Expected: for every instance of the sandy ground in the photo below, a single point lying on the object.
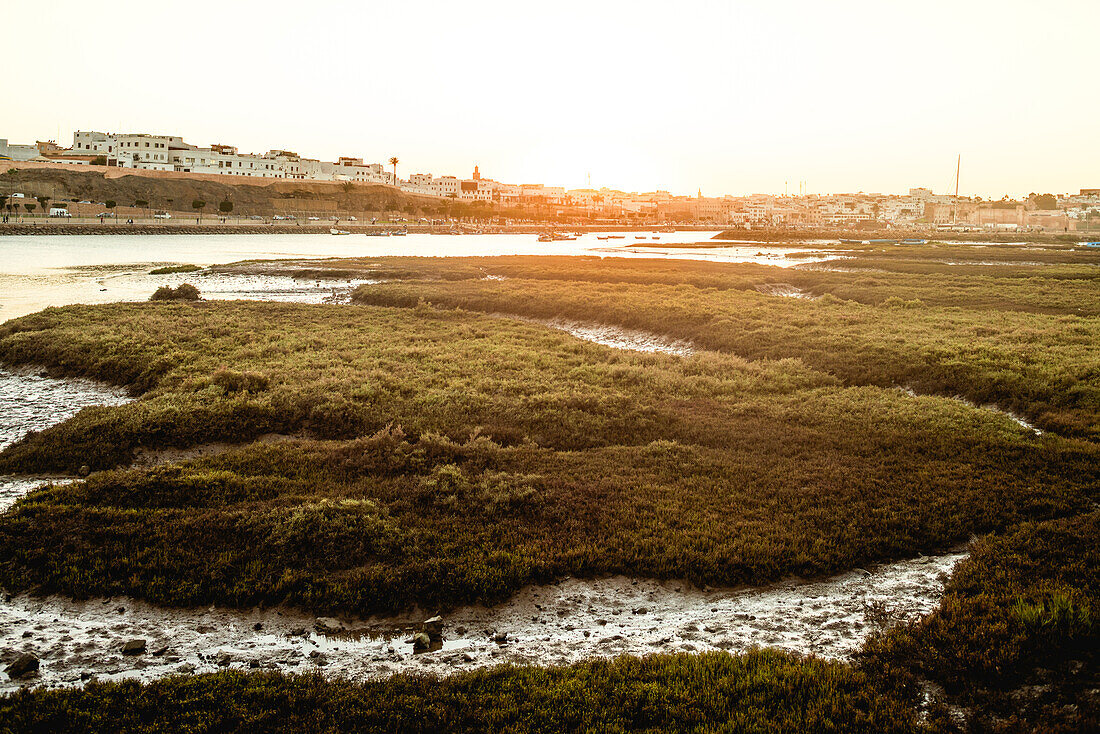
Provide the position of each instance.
(562, 623)
(612, 336)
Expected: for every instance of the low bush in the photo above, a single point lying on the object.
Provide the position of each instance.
(182, 292)
(1016, 641)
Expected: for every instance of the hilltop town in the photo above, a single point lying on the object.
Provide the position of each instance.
(169, 156)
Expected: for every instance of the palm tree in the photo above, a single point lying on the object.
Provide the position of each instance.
(393, 162)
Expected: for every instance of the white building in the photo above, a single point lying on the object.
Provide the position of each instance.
(146, 152)
(171, 153)
(93, 143)
(13, 152)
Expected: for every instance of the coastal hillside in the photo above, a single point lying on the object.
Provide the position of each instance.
(177, 193)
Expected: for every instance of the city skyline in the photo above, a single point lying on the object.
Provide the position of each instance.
(853, 97)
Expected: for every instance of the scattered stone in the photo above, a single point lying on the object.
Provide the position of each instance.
(134, 647)
(421, 642)
(328, 625)
(433, 627)
(24, 665)
(258, 626)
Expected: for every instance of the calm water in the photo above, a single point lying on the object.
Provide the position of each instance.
(55, 270)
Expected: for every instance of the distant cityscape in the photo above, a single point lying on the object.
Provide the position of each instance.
(920, 206)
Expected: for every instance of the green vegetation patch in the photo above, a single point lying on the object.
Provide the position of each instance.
(525, 455)
(988, 339)
(170, 269)
(758, 692)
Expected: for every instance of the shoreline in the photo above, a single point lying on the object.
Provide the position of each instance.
(66, 228)
(731, 236)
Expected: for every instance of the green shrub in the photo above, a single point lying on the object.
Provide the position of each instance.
(183, 292)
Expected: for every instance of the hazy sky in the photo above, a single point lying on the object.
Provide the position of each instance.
(730, 97)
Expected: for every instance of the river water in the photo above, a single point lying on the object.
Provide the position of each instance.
(56, 270)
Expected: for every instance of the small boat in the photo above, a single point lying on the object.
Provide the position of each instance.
(601, 238)
(616, 237)
(546, 238)
(333, 230)
(914, 242)
(851, 242)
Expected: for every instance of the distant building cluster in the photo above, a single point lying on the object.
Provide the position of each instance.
(920, 206)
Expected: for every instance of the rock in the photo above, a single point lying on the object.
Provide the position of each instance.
(120, 610)
(467, 657)
(421, 642)
(258, 626)
(253, 664)
(641, 610)
(587, 633)
(24, 665)
(461, 631)
(86, 675)
(224, 659)
(328, 625)
(84, 471)
(134, 647)
(160, 651)
(27, 634)
(500, 638)
(433, 628)
(297, 632)
(601, 622)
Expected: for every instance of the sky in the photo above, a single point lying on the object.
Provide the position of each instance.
(729, 97)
